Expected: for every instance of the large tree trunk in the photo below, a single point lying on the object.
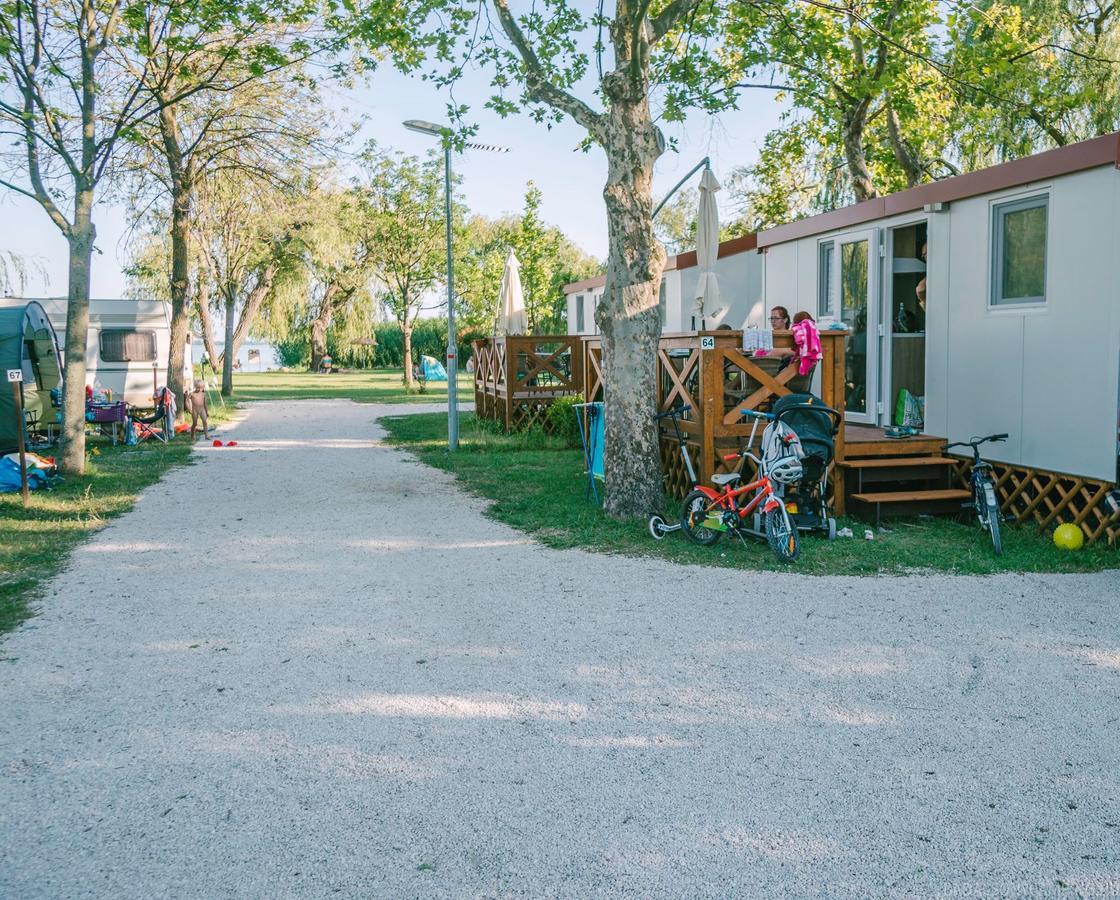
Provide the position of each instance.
(80, 238)
(229, 352)
(180, 253)
(627, 315)
(320, 326)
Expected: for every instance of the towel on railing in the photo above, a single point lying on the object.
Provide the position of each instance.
(807, 340)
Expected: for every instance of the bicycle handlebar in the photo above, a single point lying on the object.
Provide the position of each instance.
(756, 414)
(976, 442)
(673, 413)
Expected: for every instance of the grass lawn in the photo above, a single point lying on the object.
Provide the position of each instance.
(370, 386)
(538, 487)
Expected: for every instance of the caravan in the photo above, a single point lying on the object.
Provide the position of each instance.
(126, 348)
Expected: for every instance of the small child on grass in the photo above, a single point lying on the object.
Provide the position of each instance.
(196, 404)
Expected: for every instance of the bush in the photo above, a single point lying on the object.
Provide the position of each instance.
(563, 421)
(429, 338)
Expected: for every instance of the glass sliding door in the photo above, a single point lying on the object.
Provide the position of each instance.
(855, 273)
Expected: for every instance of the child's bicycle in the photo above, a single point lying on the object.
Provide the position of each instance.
(984, 501)
(707, 513)
(658, 527)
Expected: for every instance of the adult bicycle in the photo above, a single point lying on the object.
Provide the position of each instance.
(985, 502)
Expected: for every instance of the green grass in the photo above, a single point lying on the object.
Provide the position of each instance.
(538, 487)
(370, 386)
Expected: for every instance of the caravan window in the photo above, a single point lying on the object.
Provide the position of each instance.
(126, 345)
(1019, 252)
(579, 313)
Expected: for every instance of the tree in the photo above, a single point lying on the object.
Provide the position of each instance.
(668, 54)
(67, 106)
(238, 119)
(401, 218)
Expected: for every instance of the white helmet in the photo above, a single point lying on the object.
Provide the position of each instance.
(786, 470)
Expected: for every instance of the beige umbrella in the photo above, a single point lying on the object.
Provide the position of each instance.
(707, 244)
(511, 300)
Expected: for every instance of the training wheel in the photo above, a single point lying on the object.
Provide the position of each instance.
(657, 527)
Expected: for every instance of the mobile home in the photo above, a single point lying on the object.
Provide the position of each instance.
(127, 345)
(993, 295)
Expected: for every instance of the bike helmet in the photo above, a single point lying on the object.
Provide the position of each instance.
(787, 470)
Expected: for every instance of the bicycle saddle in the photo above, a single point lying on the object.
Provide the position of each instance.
(722, 479)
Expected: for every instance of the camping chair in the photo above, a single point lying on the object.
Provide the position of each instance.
(591, 433)
(164, 414)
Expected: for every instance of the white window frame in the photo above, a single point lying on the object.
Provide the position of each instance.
(1000, 210)
(825, 272)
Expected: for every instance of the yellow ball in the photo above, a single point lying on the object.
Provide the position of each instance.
(1068, 537)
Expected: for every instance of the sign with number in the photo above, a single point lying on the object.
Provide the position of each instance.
(15, 374)
(707, 343)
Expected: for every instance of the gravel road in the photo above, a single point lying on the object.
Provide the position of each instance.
(310, 666)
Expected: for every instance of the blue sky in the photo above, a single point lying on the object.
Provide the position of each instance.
(570, 180)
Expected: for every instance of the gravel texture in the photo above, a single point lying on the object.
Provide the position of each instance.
(310, 666)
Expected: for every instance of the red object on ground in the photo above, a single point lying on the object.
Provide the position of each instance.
(231, 444)
(217, 443)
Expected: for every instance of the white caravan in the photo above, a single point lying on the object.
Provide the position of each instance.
(127, 345)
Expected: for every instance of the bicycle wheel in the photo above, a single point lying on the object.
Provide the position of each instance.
(694, 515)
(782, 536)
(992, 506)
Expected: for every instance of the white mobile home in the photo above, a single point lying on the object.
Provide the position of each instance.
(127, 345)
(1015, 327)
(738, 268)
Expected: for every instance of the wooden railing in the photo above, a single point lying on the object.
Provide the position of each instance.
(517, 377)
(718, 383)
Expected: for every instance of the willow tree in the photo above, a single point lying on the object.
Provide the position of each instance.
(666, 56)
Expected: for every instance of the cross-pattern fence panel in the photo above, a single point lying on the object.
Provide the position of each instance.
(517, 377)
(1047, 499)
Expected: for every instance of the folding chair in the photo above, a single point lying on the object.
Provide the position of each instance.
(591, 433)
(164, 414)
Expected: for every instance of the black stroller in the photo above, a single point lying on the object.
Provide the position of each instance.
(816, 426)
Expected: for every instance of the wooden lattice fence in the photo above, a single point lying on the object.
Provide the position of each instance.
(1047, 499)
(517, 377)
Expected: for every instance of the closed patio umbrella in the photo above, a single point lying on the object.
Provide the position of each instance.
(707, 245)
(511, 300)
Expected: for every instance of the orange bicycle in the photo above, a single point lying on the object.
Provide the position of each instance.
(754, 509)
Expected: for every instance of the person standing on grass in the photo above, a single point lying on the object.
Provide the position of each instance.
(197, 405)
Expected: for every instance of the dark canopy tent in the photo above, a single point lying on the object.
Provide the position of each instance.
(27, 342)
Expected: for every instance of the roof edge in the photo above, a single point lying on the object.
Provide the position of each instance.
(1090, 154)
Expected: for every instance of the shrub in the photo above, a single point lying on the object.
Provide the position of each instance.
(563, 421)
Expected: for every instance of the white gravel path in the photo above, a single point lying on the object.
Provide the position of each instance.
(309, 666)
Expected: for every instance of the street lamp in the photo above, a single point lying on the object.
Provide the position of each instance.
(444, 134)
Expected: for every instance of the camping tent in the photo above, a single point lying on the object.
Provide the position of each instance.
(433, 369)
(28, 342)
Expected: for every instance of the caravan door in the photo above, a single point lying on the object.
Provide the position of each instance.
(855, 271)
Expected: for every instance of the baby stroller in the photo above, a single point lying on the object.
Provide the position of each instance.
(815, 426)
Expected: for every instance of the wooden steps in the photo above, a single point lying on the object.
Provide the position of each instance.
(890, 462)
(911, 501)
(907, 476)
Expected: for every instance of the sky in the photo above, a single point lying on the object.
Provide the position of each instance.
(570, 180)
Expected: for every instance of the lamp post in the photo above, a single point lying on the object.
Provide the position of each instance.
(444, 134)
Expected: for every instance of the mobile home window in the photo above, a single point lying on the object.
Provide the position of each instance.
(126, 345)
(824, 278)
(1019, 252)
(579, 313)
(662, 305)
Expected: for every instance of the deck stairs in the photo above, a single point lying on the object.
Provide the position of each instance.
(898, 476)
